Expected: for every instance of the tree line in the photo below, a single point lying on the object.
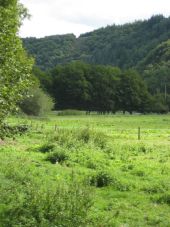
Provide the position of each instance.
(90, 87)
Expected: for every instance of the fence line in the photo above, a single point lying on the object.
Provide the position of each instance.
(137, 133)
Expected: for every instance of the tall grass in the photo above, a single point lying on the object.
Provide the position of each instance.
(30, 197)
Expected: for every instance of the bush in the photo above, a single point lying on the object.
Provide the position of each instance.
(47, 147)
(98, 138)
(84, 135)
(58, 156)
(159, 105)
(163, 199)
(101, 179)
(38, 103)
(11, 131)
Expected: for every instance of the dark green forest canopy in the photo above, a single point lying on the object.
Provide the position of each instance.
(89, 87)
(52, 50)
(124, 46)
(160, 55)
(155, 68)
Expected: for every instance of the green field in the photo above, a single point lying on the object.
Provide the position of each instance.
(87, 171)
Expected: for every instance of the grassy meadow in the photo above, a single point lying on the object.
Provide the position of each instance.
(87, 171)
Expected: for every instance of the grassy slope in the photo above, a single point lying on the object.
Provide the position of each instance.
(137, 191)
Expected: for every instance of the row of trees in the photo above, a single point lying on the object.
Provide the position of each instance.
(99, 88)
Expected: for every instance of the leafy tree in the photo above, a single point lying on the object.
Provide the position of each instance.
(155, 68)
(15, 66)
(159, 104)
(131, 93)
(103, 81)
(83, 86)
(43, 79)
(69, 85)
(157, 77)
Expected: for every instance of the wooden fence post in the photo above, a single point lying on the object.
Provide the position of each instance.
(138, 133)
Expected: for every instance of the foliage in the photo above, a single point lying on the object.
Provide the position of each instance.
(98, 88)
(12, 131)
(15, 66)
(159, 104)
(47, 147)
(143, 45)
(43, 79)
(37, 103)
(132, 93)
(119, 45)
(50, 51)
(58, 156)
(101, 179)
(70, 86)
(155, 68)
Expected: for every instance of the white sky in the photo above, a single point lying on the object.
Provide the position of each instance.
(52, 17)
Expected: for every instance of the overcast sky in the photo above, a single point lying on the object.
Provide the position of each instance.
(51, 17)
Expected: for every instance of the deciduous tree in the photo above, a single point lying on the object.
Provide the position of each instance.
(15, 65)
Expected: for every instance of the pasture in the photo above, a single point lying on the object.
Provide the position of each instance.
(87, 171)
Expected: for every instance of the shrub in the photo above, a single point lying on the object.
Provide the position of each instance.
(165, 198)
(58, 156)
(38, 103)
(101, 179)
(84, 135)
(159, 105)
(98, 138)
(11, 131)
(47, 147)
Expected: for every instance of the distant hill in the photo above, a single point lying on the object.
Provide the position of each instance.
(118, 45)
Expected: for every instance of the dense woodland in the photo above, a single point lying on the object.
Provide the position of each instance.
(117, 68)
(123, 46)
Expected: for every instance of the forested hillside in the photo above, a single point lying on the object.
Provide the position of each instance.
(52, 50)
(124, 45)
(155, 68)
(117, 68)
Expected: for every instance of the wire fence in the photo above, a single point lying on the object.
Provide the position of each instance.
(135, 133)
